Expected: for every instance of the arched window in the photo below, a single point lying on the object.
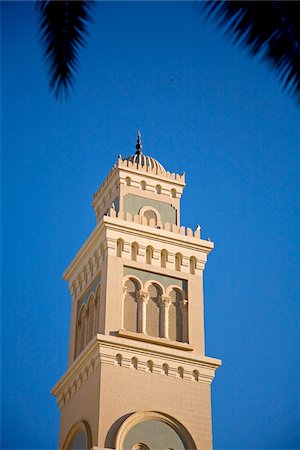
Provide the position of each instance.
(134, 251)
(173, 193)
(130, 319)
(175, 316)
(193, 265)
(153, 310)
(91, 318)
(149, 255)
(158, 189)
(79, 437)
(143, 185)
(163, 258)
(81, 330)
(128, 181)
(150, 214)
(97, 307)
(120, 247)
(178, 261)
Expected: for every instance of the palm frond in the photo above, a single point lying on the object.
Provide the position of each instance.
(63, 31)
(270, 29)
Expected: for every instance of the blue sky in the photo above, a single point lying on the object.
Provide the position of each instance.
(225, 121)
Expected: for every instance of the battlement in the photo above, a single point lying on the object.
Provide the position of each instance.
(136, 167)
(140, 219)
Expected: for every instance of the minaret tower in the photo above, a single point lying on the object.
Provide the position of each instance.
(138, 377)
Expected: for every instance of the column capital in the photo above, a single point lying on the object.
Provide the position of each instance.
(166, 301)
(143, 296)
(184, 304)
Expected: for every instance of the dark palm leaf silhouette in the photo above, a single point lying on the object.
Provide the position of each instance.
(63, 31)
(270, 29)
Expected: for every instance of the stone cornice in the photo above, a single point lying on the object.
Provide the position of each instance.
(113, 223)
(119, 351)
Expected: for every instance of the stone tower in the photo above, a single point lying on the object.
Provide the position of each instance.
(137, 377)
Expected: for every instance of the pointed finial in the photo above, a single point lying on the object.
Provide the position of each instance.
(139, 143)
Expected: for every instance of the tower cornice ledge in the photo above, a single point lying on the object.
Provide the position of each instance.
(103, 349)
(133, 228)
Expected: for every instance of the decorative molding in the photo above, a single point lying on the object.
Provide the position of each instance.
(117, 352)
(143, 337)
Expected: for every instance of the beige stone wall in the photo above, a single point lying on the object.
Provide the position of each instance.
(83, 406)
(124, 391)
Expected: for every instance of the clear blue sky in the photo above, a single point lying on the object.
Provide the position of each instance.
(224, 121)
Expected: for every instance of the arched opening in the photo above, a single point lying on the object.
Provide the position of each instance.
(149, 366)
(91, 318)
(143, 185)
(134, 251)
(193, 265)
(173, 193)
(165, 369)
(178, 261)
(149, 255)
(154, 430)
(120, 247)
(158, 189)
(134, 363)
(128, 181)
(153, 310)
(150, 215)
(175, 316)
(130, 317)
(81, 331)
(79, 437)
(163, 258)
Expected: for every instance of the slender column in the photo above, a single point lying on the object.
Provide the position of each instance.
(124, 292)
(184, 311)
(142, 317)
(165, 304)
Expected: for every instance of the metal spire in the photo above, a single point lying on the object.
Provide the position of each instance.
(139, 144)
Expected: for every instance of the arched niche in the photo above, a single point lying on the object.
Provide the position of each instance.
(79, 437)
(130, 309)
(154, 430)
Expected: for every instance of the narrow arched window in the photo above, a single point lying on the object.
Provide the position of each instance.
(176, 316)
(120, 247)
(134, 251)
(150, 215)
(128, 181)
(178, 261)
(153, 314)
(82, 329)
(193, 265)
(163, 258)
(143, 185)
(149, 255)
(158, 189)
(91, 319)
(130, 318)
(173, 193)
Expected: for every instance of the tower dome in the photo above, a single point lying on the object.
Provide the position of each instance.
(139, 158)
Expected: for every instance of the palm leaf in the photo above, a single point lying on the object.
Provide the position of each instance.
(63, 31)
(270, 29)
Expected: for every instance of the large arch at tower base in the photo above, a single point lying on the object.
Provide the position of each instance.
(152, 430)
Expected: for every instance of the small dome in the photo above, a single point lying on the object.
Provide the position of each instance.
(144, 160)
